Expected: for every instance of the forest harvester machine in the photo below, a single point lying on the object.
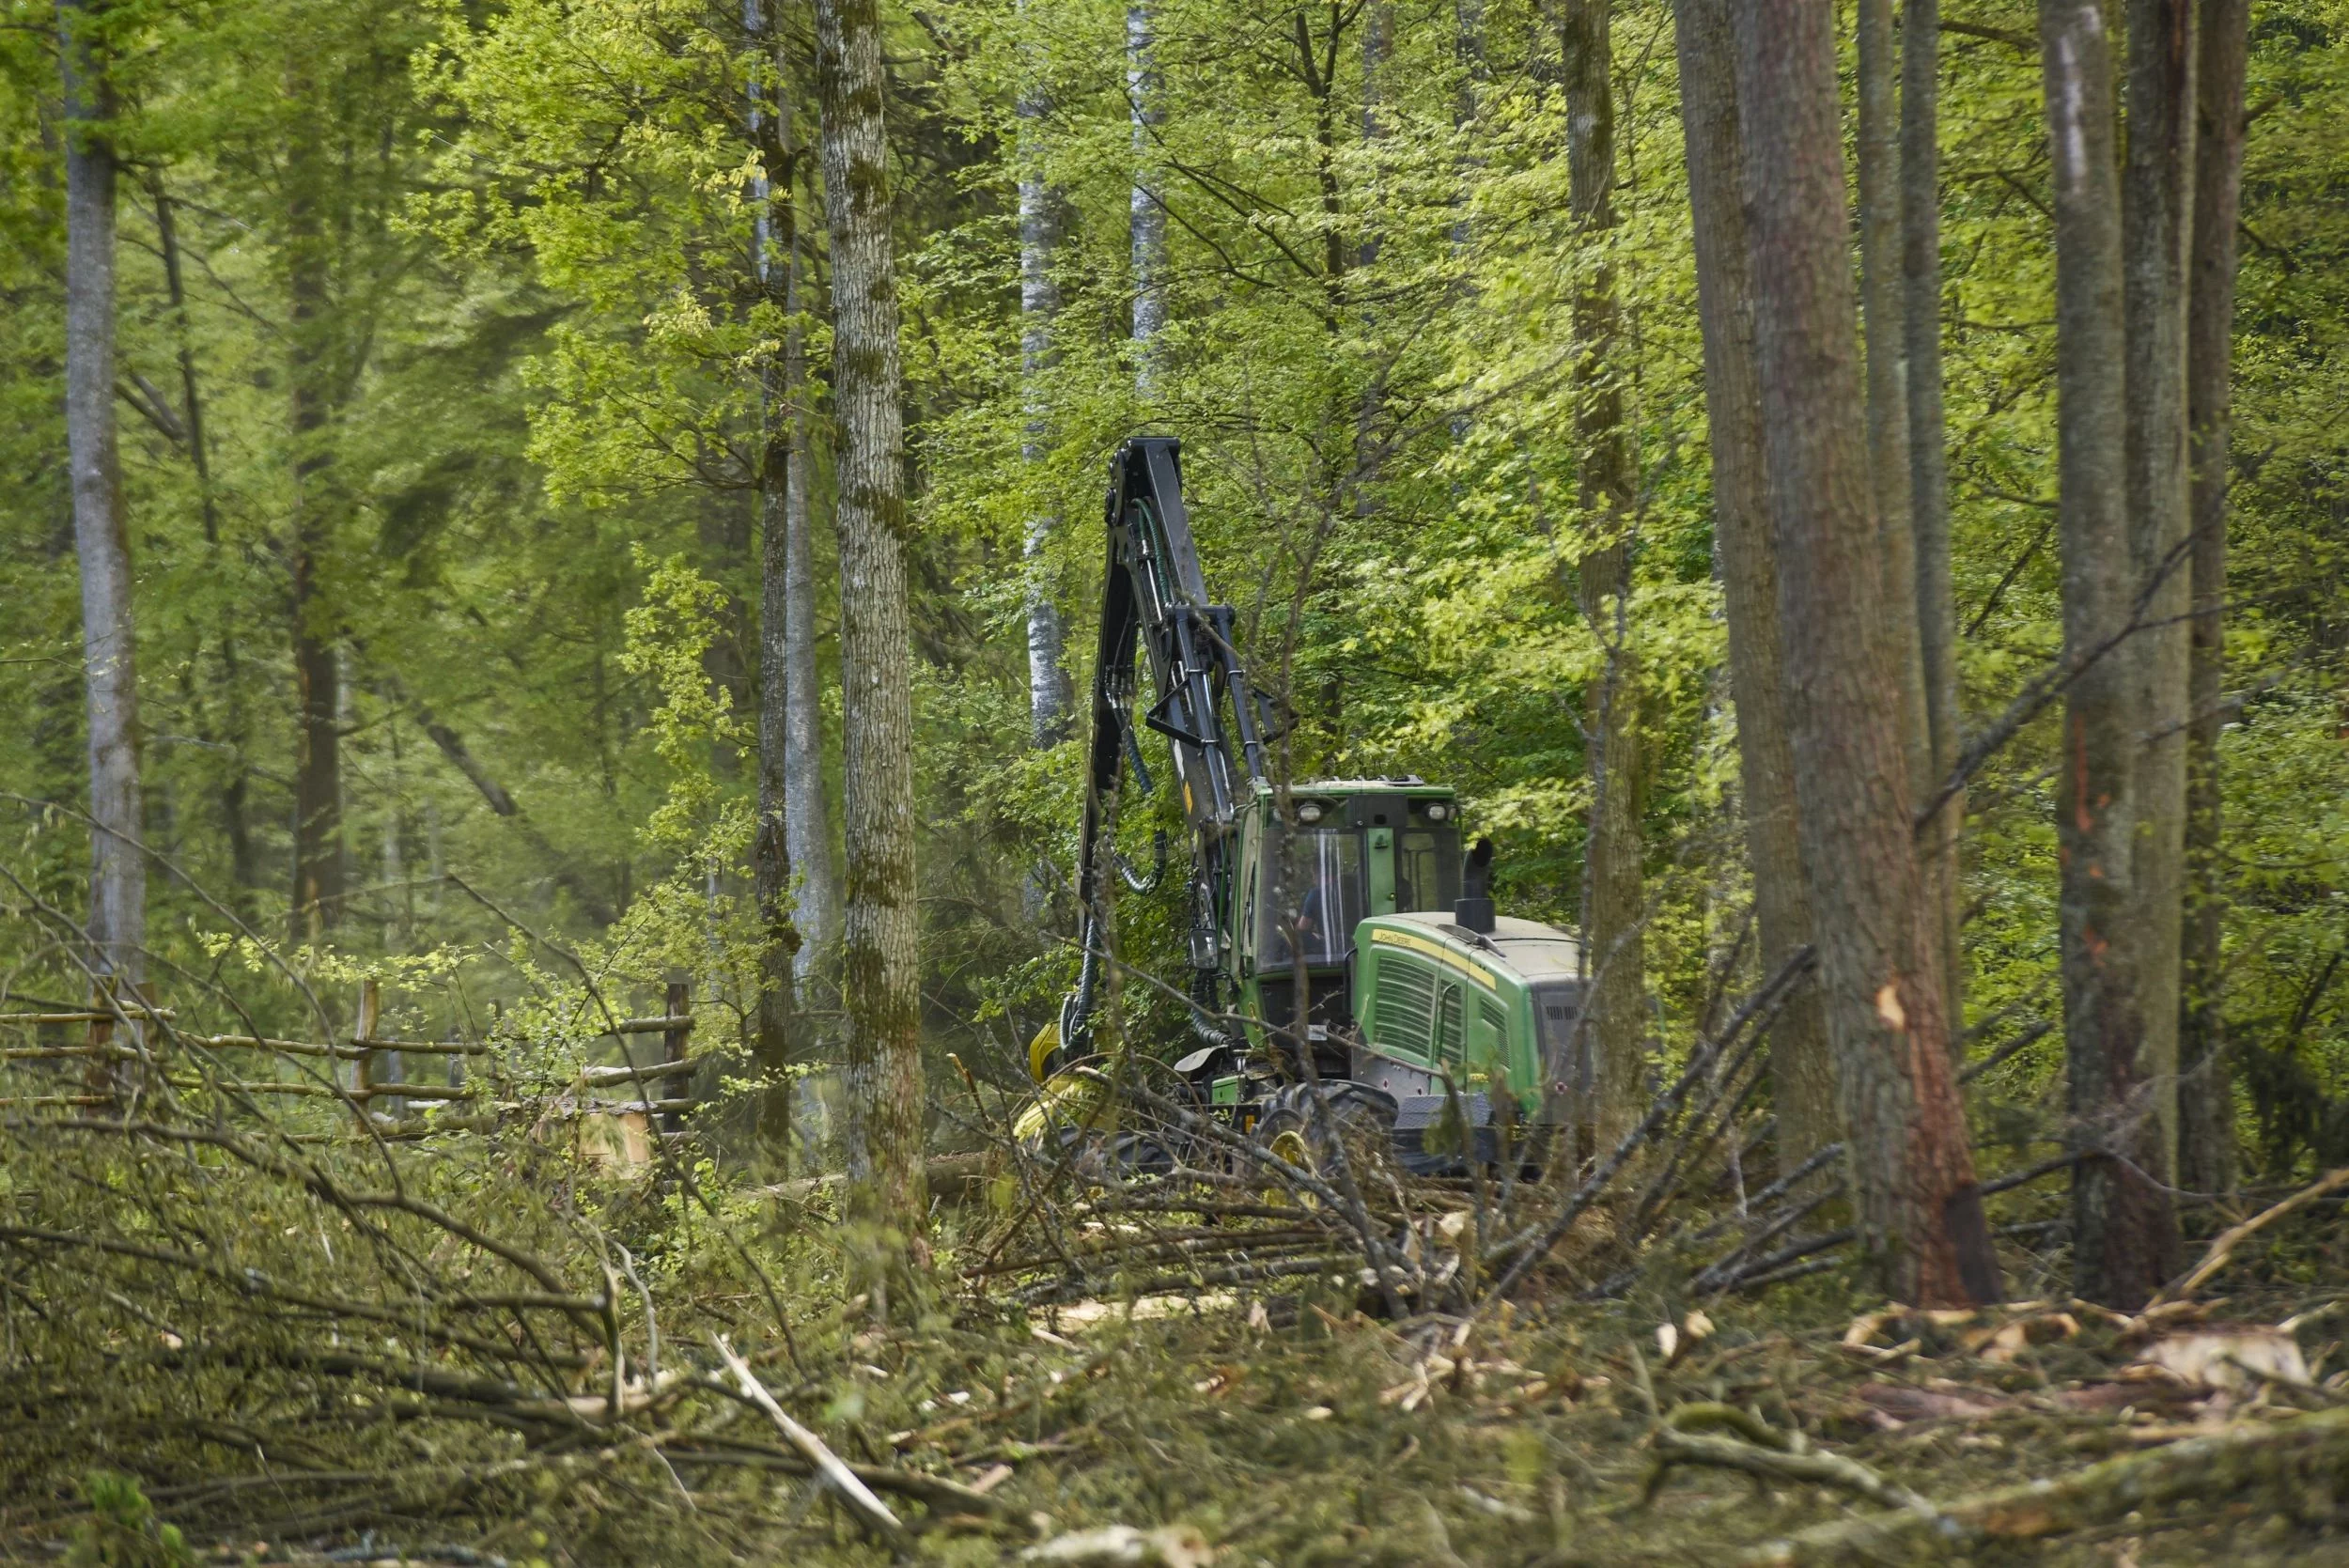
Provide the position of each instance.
(1340, 944)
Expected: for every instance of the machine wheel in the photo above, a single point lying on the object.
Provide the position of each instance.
(1362, 1118)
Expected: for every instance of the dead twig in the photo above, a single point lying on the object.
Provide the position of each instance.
(810, 1448)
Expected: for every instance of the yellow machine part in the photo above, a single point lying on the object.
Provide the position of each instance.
(1040, 1051)
(1065, 1100)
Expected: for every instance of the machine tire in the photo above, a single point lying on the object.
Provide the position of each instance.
(1363, 1118)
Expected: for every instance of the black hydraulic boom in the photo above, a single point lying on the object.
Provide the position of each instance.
(1155, 598)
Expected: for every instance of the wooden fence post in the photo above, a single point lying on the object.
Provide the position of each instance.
(99, 1076)
(679, 1005)
(363, 1065)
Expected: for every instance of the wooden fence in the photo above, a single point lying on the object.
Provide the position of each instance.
(366, 1070)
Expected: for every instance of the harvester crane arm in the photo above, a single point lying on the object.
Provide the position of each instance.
(1153, 597)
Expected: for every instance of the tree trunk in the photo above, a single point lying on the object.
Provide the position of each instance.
(1614, 899)
(2156, 205)
(1049, 691)
(1802, 1069)
(2124, 1234)
(807, 794)
(880, 982)
(1929, 468)
(2206, 1146)
(101, 534)
(1146, 206)
(774, 245)
(319, 869)
(1913, 1170)
(1884, 313)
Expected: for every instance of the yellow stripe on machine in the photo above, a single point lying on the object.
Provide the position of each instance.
(1382, 936)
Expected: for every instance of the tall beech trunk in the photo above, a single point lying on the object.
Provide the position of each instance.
(1802, 1068)
(1048, 691)
(1145, 207)
(2124, 1232)
(1913, 1170)
(881, 947)
(1929, 464)
(1613, 894)
(318, 860)
(2156, 220)
(101, 534)
(1883, 304)
(774, 253)
(2206, 1144)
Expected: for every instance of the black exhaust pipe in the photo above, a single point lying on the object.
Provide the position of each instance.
(1473, 910)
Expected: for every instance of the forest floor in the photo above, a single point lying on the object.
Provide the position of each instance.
(1186, 1432)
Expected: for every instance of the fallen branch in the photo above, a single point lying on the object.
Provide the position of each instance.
(1761, 1450)
(2244, 1460)
(2223, 1249)
(810, 1448)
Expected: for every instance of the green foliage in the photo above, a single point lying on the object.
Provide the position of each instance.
(122, 1530)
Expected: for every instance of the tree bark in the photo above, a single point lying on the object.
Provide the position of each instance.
(1912, 1172)
(1145, 202)
(2206, 1144)
(880, 943)
(1802, 1068)
(2125, 1232)
(1883, 301)
(102, 535)
(1929, 469)
(2157, 196)
(1615, 903)
(775, 251)
(318, 861)
(1048, 691)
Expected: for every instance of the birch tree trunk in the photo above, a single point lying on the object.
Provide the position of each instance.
(1918, 1208)
(102, 535)
(880, 983)
(2206, 1145)
(2156, 218)
(1048, 691)
(1613, 893)
(774, 244)
(1929, 466)
(2125, 1234)
(1802, 1069)
(1145, 205)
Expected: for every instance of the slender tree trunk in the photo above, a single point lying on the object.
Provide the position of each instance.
(318, 858)
(1802, 1068)
(1145, 205)
(244, 871)
(1929, 466)
(1049, 691)
(2157, 205)
(880, 949)
(101, 534)
(1913, 1170)
(1613, 893)
(1884, 313)
(807, 793)
(2206, 1145)
(2124, 1234)
(774, 240)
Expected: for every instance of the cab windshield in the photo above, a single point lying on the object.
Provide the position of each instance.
(1322, 902)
